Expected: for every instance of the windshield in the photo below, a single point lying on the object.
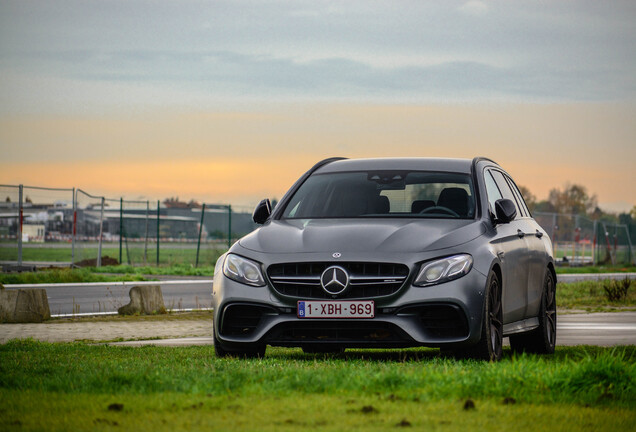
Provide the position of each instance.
(414, 194)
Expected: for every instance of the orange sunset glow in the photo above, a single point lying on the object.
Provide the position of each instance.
(203, 101)
(244, 156)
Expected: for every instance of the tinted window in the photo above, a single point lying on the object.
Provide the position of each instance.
(492, 190)
(505, 189)
(520, 200)
(383, 194)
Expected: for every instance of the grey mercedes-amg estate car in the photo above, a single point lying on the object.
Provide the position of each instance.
(390, 253)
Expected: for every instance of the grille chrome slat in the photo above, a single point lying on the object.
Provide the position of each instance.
(367, 280)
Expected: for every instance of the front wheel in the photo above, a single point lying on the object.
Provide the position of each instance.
(541, 340)
(489, 347)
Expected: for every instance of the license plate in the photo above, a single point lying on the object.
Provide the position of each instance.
(336, 309)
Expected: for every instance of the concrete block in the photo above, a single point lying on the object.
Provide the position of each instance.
(144, 299)
(24, 305)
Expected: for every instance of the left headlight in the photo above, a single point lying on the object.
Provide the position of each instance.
(243, 270)
(443, 270)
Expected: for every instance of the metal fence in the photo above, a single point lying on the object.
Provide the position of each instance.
(52, 227)
(578, 240)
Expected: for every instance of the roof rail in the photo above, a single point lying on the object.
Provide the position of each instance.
(481, 158)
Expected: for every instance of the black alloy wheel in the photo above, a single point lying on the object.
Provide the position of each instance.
(541, 340)
(490, 346)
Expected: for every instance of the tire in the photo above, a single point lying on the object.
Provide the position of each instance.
(541, 340)
(322, 349)
(490, 345)
(257, 351)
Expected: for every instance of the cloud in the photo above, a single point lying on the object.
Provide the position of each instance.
(75, 56)
(474, 7)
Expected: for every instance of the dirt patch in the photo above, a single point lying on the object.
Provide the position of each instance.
(106, 261)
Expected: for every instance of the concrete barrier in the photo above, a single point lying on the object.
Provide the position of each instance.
(144, 299)
(24, 305)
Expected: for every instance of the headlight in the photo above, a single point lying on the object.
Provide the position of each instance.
(243, 270)
(444, 270)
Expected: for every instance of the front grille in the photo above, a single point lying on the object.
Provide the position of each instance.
(350, 332)
(242, 319)
(366, 280)
(439, 320)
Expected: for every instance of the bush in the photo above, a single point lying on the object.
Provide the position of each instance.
(616, 290)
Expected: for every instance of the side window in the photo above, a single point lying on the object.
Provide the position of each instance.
(492, 190)
(505, 189)
(517, 192)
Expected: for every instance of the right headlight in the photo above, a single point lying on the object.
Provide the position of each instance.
(243, 270)
(443, 270)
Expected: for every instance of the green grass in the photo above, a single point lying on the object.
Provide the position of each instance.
(64, 276)
(70, 386)
(167, 255)
(175, 269)
(590, 296)
(596, 269)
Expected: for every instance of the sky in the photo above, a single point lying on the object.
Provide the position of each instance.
(230, 102)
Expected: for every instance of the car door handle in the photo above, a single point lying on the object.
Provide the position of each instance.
(520, 233)
(539, 234)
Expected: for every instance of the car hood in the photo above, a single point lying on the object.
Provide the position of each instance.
(361, 235)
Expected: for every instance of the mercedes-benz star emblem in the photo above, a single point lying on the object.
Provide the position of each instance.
(334, 280)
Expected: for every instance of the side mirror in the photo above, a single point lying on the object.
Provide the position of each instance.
(262, 212)
(506, 210)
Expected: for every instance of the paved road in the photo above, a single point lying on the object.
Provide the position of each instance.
(602, 329)
(95, 298)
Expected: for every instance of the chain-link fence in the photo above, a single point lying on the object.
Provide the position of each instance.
(578, 240)
(52, 227)
(47, 226)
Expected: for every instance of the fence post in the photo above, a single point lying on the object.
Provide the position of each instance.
(20, 222)
(146, 237)
(629, 244)
(101, 235)
(609, 247)
(121, 227)
(74, 231)
(200, 230)
(594, 243)
(158, 215)
(229, 226)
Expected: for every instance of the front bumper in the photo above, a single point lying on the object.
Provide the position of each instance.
(445, 315)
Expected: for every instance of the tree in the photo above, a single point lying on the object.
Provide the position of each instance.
(572, 199)
(529, 198)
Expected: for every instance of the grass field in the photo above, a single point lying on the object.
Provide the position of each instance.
(168, 255)
(590, 296)
(82, 387)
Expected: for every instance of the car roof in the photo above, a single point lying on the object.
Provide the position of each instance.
(416, 164)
